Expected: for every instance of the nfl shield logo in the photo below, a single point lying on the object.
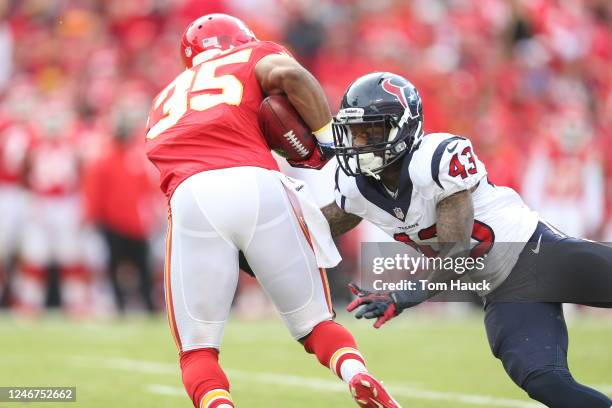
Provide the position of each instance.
(398, 213)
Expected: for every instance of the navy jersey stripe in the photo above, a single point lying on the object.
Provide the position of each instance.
(437, 157)
(337, 177)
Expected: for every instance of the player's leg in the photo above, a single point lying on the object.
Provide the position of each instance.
(29, 287)
(68, 252)
(577, 271)
(13, 204)
(139, 253)
(555, 268)
(279, 253)
(531, 340)
(201, 275)
(115, 255)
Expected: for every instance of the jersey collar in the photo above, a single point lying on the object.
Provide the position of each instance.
(375, 192)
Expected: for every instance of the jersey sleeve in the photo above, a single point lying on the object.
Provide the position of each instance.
(445, 164)
(347, 194)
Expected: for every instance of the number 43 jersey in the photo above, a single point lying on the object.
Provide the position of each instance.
(207, 117)
(441, 165)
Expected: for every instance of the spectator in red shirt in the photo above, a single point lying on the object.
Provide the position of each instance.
(120, 199)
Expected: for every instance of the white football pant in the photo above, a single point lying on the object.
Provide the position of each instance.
(215, 214)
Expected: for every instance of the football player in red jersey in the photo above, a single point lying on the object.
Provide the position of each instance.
(52, 220)
(14, 142)
(226, 196)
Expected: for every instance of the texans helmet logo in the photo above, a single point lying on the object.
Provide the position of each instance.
(400, 93)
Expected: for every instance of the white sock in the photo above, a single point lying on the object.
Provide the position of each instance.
(350, 367)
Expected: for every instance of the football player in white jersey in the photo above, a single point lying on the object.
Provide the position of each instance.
(431, 192)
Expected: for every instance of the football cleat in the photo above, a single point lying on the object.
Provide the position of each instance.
(368, 392)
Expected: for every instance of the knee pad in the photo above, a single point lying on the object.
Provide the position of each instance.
(556, 388)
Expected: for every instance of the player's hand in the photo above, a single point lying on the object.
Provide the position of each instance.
(382, 306)
(379, 306)
(319, 157)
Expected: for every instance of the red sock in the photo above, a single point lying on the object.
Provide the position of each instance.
(76, 272)
(333, 345)
(204, 380)
(34, 272)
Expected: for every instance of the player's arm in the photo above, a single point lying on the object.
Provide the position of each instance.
(455, 220)
(278, 73)
(339, 220)
(455, 217)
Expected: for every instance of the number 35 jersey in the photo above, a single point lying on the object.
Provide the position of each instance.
(441, 165)
(207, 117)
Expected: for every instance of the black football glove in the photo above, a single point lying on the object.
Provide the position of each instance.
(382, 306)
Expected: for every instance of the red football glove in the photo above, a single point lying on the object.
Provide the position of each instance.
(383, 306)
(319, 157)
(375, 305)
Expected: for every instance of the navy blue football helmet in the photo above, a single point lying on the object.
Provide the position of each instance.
(380, 119)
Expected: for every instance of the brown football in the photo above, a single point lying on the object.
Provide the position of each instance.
(284, 129)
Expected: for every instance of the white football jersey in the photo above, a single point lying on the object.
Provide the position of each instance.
(441, 165)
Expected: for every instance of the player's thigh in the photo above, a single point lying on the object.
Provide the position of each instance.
(579, 271)
(285, 265)
(527, 337)
(12, 207)
(63, 223)
(35, 244)
(201, 275)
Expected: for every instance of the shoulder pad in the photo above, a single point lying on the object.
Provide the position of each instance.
(445, 164)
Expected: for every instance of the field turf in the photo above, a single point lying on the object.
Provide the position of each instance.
(425, 361)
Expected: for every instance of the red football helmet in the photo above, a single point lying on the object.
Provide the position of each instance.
(213, 32)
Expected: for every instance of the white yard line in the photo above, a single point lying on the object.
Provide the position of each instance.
(311, 383)
(605, 388)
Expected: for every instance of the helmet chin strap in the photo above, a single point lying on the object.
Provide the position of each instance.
(368, 162)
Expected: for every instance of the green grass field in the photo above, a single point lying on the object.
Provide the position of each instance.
(425, 362)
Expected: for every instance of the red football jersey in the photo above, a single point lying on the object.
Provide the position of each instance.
(207, 117)
(53, 166)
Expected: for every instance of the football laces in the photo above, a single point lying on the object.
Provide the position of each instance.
(296, 144)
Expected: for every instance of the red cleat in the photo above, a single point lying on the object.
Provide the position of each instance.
(368, 392)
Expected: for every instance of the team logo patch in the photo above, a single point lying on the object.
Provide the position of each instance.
(400, 93)
(399, 213)
(210, 42)
(188, 52)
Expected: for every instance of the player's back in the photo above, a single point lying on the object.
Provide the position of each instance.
(206, 118)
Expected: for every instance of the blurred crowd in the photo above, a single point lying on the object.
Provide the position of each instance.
(82, 220)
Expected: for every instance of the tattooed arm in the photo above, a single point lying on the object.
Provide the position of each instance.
(339, 220)
(455, 220)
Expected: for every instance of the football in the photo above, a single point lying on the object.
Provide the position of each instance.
(284, 129)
